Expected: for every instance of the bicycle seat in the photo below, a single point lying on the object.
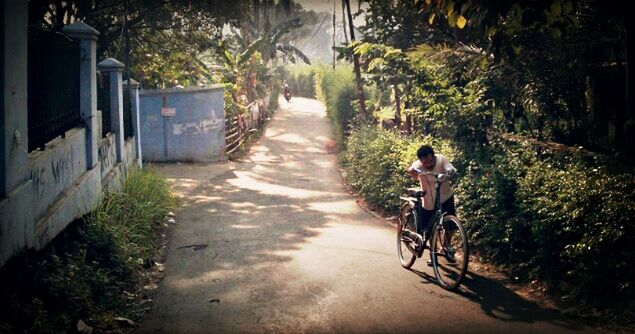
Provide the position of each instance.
(415, 192)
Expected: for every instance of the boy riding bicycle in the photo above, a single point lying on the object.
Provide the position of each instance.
(428, 161)
(432, 211)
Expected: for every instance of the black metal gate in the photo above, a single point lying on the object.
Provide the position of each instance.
(127, 114)
(103, 101)
(53, 86)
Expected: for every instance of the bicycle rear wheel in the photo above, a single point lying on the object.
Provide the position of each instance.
(405, 229)
(449, 252)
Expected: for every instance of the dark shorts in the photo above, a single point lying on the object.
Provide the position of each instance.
(447, 207)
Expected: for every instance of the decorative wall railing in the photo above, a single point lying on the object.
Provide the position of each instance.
(103, 101)
(53, 88)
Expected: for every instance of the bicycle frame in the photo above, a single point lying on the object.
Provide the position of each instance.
(439, 236)
(437, 217)
(416, 205)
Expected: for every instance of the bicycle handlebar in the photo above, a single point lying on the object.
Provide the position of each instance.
(420, 172)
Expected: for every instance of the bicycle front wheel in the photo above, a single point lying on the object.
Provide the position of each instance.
(405, 230)
(449, 252)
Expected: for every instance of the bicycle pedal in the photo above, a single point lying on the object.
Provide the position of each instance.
(420, 249)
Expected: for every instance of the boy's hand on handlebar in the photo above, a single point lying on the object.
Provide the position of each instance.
(413, 173)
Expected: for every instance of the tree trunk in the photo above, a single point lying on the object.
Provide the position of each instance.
(257, 14)
(344, 21)
(627, 127)
(127, 60)
(621, 113)
(397, 105)
(408, 117)
(358, 74)
(333, 34)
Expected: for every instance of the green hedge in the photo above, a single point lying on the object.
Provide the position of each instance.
(336, 89)
(563, 218)
(376, 161)
(302, 83)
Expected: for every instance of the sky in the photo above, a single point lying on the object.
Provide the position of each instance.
(318, 45)
(327, 6)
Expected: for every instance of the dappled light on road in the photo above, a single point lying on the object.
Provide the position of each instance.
(289, 250)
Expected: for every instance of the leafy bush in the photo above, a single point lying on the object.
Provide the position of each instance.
(93, 269)
(232, 106)
(553, 216)
(376, 163)
(336, 89)
(273, 98)
(301, 81)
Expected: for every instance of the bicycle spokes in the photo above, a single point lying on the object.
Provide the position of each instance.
(406, 238)
(450, 253)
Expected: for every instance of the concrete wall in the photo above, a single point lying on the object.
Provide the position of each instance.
(115, 175)
(41, 192)
(196, 132)
(107, 154)
(56, 168)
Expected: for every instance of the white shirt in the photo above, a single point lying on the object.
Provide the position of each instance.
(442, 165)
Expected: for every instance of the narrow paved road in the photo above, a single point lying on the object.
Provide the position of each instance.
(289, 251)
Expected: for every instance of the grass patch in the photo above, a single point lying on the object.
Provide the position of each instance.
(95, 270)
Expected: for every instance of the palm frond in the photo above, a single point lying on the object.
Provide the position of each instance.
(292, 51)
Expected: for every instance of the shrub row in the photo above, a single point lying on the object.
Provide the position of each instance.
(335, 88)
(563, 218)
(376, 161)
(302, 82)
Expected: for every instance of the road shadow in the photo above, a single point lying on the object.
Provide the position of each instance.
(500, 302)
(239, 222)
(266, 222)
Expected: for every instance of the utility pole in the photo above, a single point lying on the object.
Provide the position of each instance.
(358, 73)
(126, 99)
(334, 1)
(344, 21)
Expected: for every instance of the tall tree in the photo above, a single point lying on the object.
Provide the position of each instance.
(358, 75)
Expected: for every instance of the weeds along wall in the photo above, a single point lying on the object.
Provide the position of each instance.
(96, 268)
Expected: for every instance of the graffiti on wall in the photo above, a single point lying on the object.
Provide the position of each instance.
(38, 177)
(60, 168)
(194, 128)
(54, 174)
(107, 157)
(152, 123)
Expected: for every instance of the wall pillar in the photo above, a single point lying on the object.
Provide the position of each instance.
(87, 36)
(13, 112)
(16, 203)
(114, 68)
(134, 111)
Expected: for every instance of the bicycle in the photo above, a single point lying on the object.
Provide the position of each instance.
(447, 236)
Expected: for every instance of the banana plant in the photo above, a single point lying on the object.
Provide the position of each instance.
(244, 62)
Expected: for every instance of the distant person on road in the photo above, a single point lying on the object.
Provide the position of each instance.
(286, 91)
(428, 161)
